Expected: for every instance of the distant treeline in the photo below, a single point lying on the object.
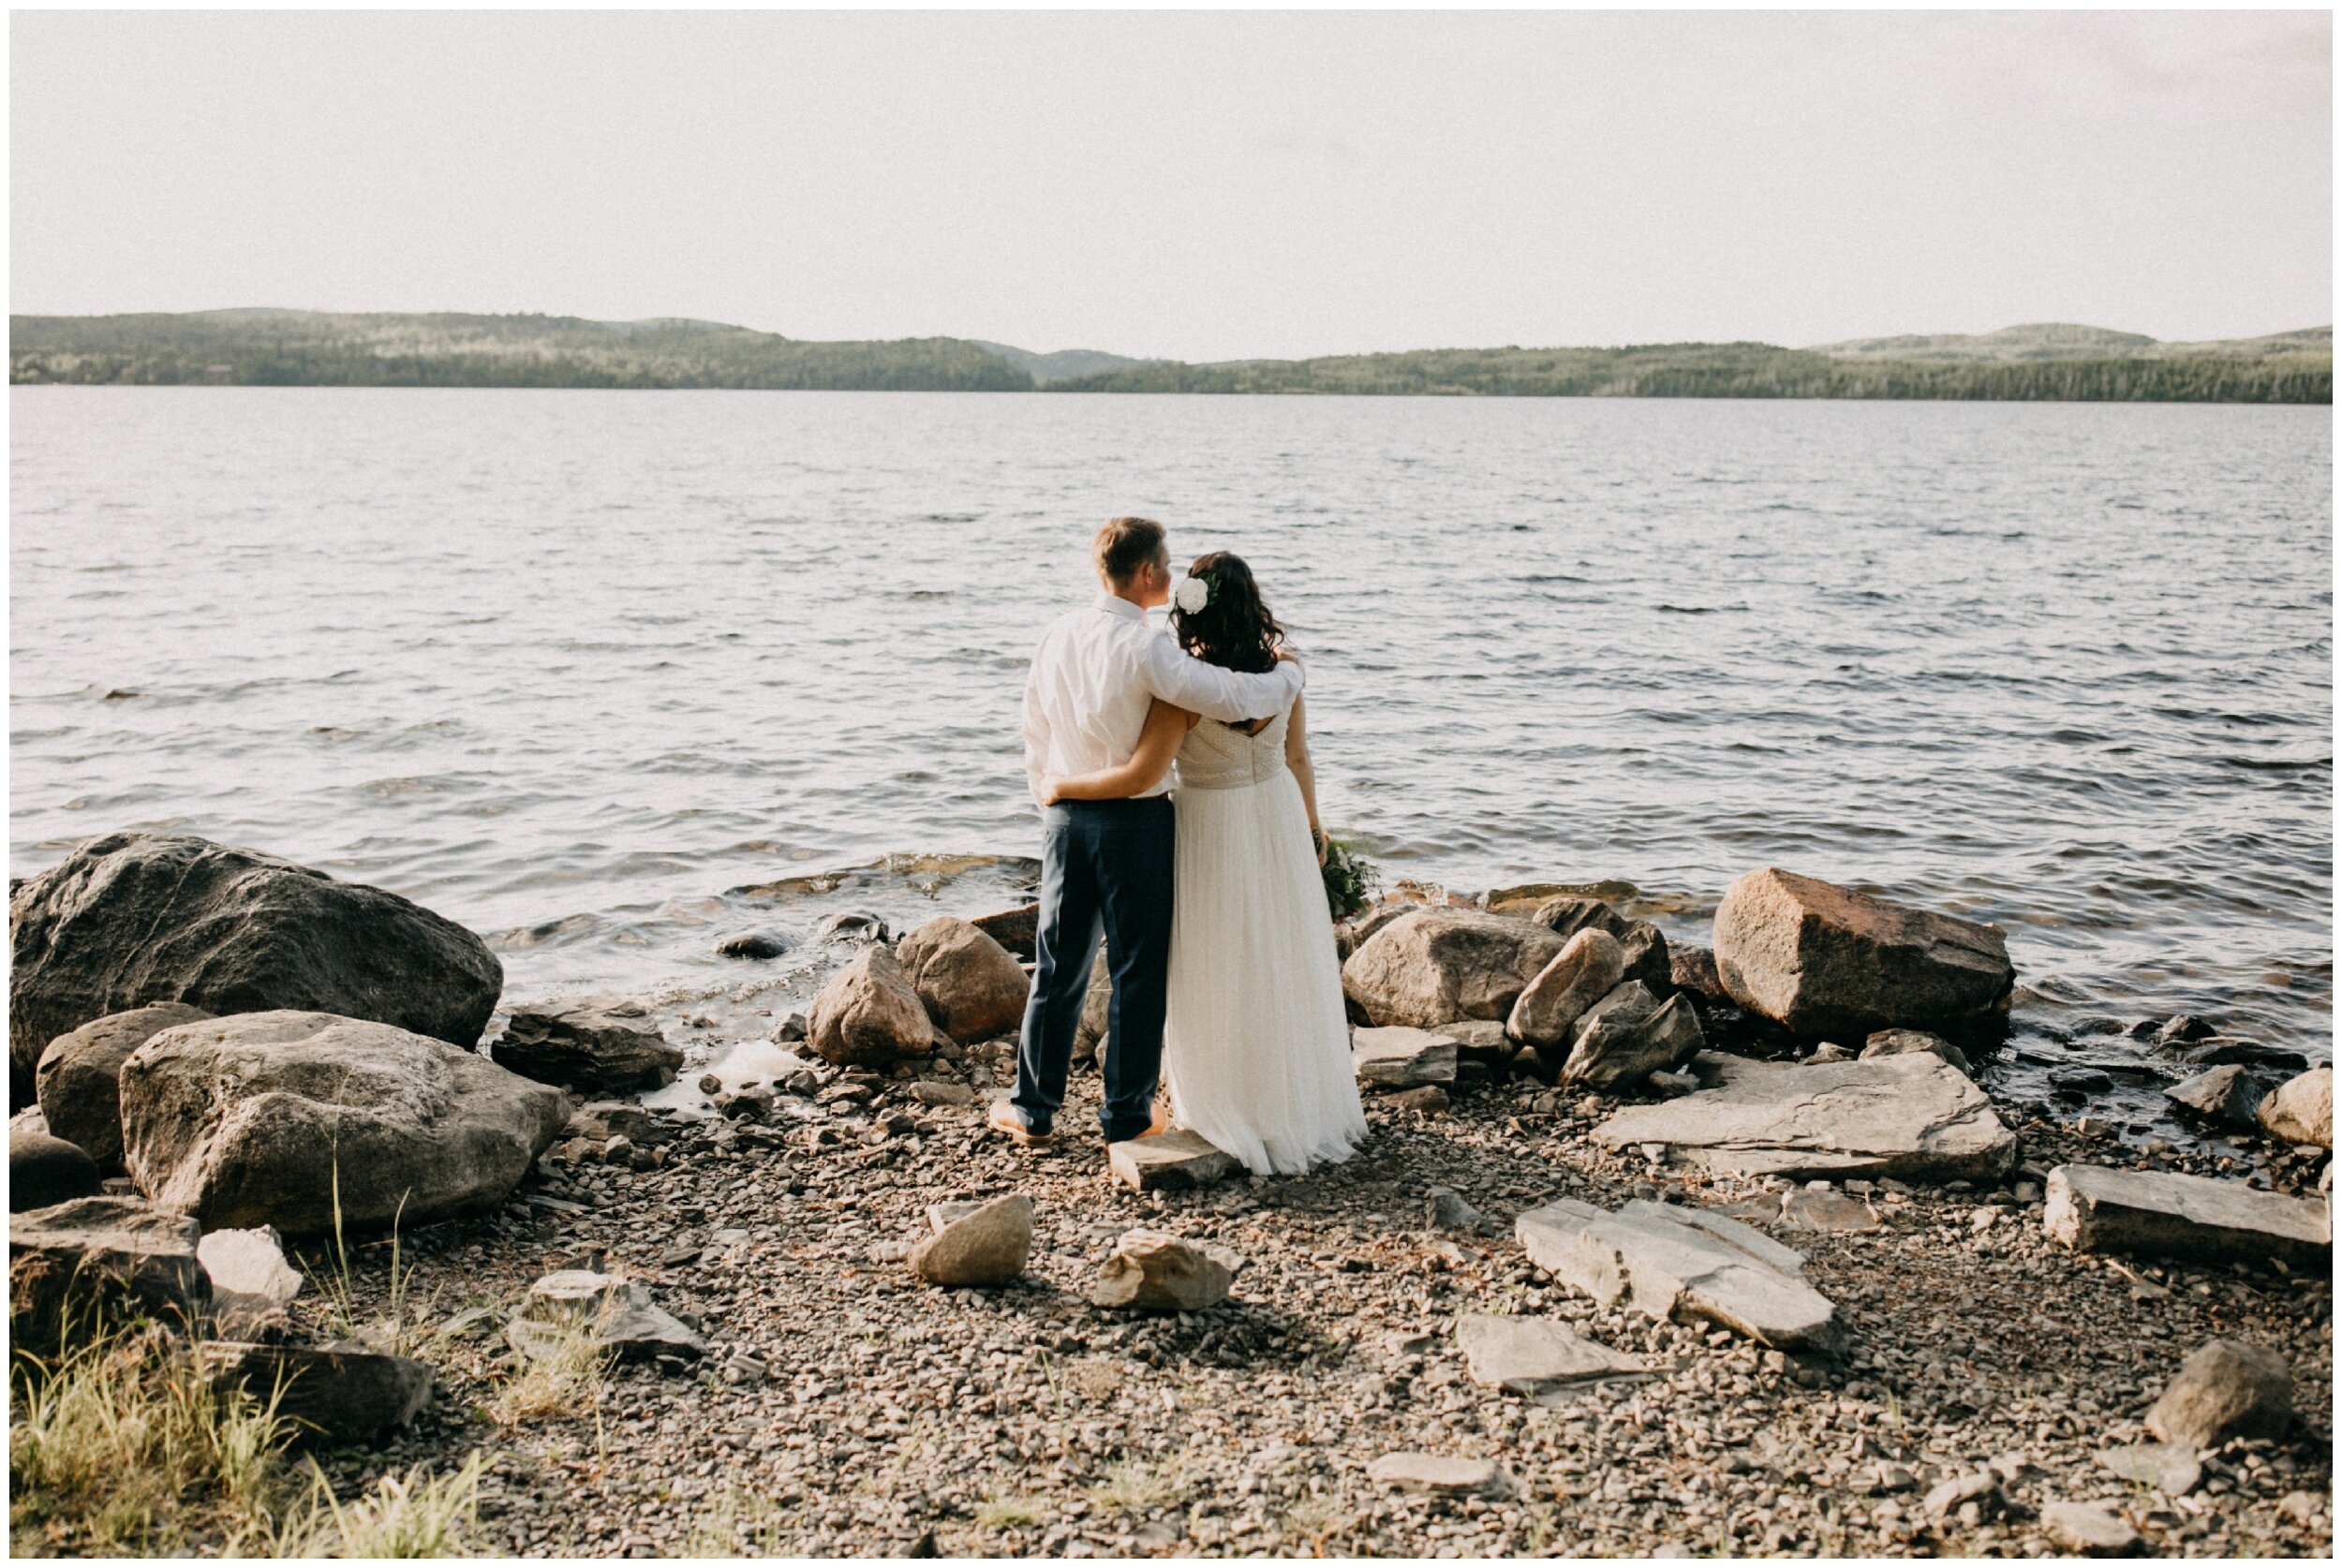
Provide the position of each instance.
(299, 348)
(1739, 370)
(274, 347)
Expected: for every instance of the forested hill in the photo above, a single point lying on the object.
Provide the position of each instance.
(285, 347)
(310, 349)
(1753, 370)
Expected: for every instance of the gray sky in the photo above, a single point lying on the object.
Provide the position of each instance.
(1201, 185)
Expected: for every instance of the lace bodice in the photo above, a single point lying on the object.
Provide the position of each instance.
(1215, 757)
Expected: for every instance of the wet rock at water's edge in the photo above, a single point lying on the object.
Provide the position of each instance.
(1438, 964)
(588, 1043)
(1823, 960)
(973, 988)
(868, 1016)
(129, 918)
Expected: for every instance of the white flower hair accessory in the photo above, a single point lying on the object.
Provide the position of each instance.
(1192, 595)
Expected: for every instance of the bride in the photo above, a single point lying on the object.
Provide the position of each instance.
(1256, 1044)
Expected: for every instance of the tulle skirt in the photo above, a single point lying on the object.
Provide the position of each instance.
(1256, 1044)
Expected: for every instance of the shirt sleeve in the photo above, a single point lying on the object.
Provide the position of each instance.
(1036, 726)
(1227, 695)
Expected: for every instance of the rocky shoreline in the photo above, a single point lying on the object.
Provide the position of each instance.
(1418, 1353)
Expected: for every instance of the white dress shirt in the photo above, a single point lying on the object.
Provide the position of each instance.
(1096, 671)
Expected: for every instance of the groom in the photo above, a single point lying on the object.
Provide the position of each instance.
(1105, 865)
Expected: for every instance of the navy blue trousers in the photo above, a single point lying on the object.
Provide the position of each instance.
(1106, 869)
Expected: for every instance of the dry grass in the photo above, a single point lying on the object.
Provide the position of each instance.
(124, 1448)
(740, 1521)
(561, 1374)
(414, 1514)
(1134, 1486)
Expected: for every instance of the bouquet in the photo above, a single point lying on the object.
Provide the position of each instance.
(1352, 880)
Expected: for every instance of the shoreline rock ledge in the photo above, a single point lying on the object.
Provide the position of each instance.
(130, 919)
(1823, 960)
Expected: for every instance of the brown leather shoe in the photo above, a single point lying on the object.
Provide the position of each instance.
(1002, 1119)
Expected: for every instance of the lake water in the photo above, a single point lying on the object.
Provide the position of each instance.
(570, 666)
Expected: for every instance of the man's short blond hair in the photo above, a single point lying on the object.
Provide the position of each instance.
(1124, 545)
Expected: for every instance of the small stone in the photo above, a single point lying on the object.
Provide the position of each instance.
(594, 1042)
(1151, 1271)
(2225, 1389)
(1528, 1354)
(976, 1244)
(1981, 1491)
(2302, 1508)
(2225, 1096)
(1429, 1099)
(1447, 1211)
(1830, 1050)
(931, 1093)
(1438, 1475)
(752, 944)
(2169, 1468)
(2183, 1029)
(2088, 1528)
(1828, 1211)
(1897, 1042)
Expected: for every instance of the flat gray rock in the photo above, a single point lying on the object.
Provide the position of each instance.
(2169, 1468)
(1440, 1475)
(333, 1394)
(2093, 1208)
(625, 1321)
(2089, 1528)
(1668, 1262)
(1529, 1355)
(1914, 1117)
(1401, 1057)
(1171, 1161)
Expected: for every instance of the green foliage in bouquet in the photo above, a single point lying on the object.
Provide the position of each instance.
(1352, 880)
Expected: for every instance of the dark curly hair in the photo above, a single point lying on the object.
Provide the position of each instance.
(1234, 630)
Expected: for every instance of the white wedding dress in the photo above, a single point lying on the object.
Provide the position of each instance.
(1256, 1044)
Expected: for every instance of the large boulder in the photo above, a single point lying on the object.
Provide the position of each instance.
(1823, 960)
(1441, 964)
(1588, 966)
(973, 986)
(590, 1044)
(1913, 1117)
(868, 1016)
(276, 1118)
(79, 1078)
(2301, 1110)
(79, 1266)
(44, 1171)
(134, 918)
(1619, 1046)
